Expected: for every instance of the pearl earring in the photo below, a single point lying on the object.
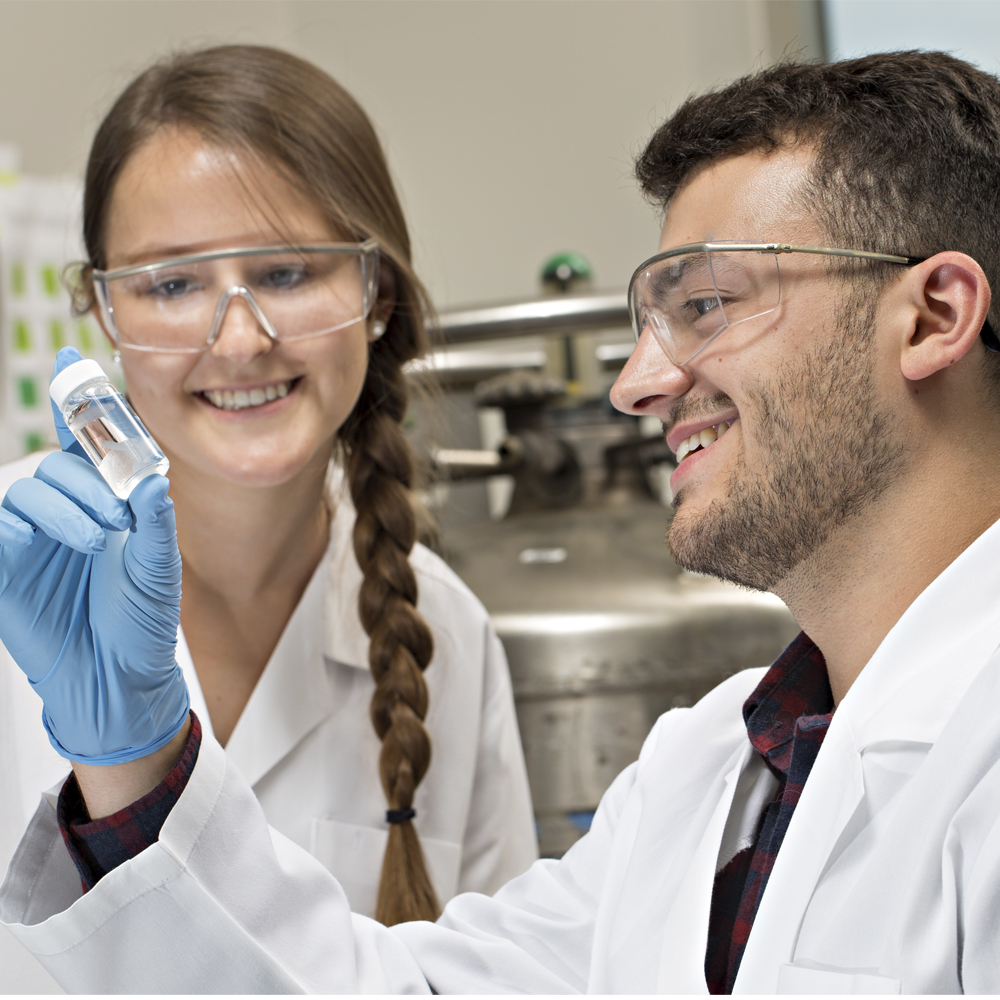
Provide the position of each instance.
(378, 328)
(116, 357)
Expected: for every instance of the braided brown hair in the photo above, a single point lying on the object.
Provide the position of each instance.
(280, 112)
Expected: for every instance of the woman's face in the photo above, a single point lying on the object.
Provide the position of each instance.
(178, 195)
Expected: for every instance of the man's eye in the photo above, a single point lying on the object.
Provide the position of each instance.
(283, 277)
(699, 307)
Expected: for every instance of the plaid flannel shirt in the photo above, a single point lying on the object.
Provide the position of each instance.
(100, 845)
(786, 717)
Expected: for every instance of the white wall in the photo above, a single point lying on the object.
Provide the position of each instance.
(969, 29)
(510, 125)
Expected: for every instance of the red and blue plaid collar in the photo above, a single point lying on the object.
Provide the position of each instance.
(793, 696)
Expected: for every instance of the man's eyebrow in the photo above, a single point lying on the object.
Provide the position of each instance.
(673, 269)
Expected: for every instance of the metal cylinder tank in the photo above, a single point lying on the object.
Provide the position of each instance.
(604, 632)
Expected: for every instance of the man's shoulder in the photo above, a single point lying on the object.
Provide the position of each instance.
(714, 723)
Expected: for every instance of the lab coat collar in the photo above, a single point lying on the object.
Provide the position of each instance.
(922, 669)
(346, 641)
(293, 695)
(907, 692)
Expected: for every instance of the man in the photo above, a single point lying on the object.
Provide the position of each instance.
(836, 418)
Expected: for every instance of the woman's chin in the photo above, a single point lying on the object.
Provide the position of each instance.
(255, 471)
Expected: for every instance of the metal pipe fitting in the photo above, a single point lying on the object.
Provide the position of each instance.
(556, 315)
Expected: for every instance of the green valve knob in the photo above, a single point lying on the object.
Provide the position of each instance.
(566, 269)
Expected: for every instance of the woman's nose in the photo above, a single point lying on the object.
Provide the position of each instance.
(240, 336)
(649, 378)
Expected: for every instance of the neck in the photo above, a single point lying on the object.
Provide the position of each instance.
(850, 592)
(240, 542)
(249, 553)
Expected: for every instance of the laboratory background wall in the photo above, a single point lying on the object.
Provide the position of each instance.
(510, 126)
(969, 29)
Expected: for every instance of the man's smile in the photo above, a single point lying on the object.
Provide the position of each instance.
(695, 446)
(702, 439)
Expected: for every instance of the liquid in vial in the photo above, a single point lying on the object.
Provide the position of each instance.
(107, 428)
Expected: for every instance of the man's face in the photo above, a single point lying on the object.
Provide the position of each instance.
(808, 441)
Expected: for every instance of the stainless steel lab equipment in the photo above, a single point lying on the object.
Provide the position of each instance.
(602, 629)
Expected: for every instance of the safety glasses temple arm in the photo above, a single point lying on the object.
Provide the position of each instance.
(888, 258)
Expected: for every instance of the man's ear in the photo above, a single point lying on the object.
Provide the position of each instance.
(950, 295)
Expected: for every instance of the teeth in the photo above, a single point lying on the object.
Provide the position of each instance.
(701, 439)
(242, 399)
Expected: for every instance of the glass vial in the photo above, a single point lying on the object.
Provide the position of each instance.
(106, 426)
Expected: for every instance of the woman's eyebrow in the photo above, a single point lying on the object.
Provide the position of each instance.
(152, 252)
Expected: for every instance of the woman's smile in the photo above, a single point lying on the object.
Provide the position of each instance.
(255, 398)
(248, 409)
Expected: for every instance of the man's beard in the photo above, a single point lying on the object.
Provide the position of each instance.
(826, 461)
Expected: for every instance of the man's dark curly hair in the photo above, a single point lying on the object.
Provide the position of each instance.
(907, 150)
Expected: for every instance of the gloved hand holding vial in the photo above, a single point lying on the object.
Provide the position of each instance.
(110, 432)
(90, 578)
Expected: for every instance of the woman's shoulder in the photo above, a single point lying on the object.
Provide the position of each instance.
(435, 574)
(21, 468)
(439, 586)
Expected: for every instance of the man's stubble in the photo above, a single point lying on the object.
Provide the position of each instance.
(832, 450)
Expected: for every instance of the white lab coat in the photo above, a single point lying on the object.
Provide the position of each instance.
(306, 746)
(888, 879)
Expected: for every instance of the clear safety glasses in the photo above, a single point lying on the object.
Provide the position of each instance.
(177, 306)
(690, 295)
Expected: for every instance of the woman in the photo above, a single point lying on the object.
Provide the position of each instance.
(281, 421)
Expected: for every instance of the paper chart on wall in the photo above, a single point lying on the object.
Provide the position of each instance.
(39, 235)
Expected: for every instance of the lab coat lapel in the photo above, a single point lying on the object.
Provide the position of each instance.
(346, 640)
(906, 693)
(829, 799)
(682, 960)
(198, 704)
(293, 695)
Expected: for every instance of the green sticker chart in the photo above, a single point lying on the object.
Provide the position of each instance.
(39, 236)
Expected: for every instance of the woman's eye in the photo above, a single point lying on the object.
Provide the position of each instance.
(283, 277)
(172, 288)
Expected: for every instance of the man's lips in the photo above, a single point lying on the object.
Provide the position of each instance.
(689, 431)
(695, 448)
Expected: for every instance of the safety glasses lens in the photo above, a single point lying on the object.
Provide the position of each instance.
(688, 300)
(303, 294)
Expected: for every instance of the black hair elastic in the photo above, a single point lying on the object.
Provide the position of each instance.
(399, 815)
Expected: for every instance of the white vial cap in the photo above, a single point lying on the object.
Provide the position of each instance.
(69, 379)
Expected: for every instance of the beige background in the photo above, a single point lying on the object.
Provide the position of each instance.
(510, 125)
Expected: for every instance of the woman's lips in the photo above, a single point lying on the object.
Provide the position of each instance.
(238, 400)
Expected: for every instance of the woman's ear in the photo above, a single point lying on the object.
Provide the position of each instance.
(951, 298)
(385, 303)
(99, 319)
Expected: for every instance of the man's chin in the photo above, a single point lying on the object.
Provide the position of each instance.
(702, 541)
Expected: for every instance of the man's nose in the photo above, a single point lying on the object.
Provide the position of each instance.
(240, 336)
(649, 378)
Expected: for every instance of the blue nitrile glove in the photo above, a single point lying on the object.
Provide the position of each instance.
(67, 356)
(90, 589)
